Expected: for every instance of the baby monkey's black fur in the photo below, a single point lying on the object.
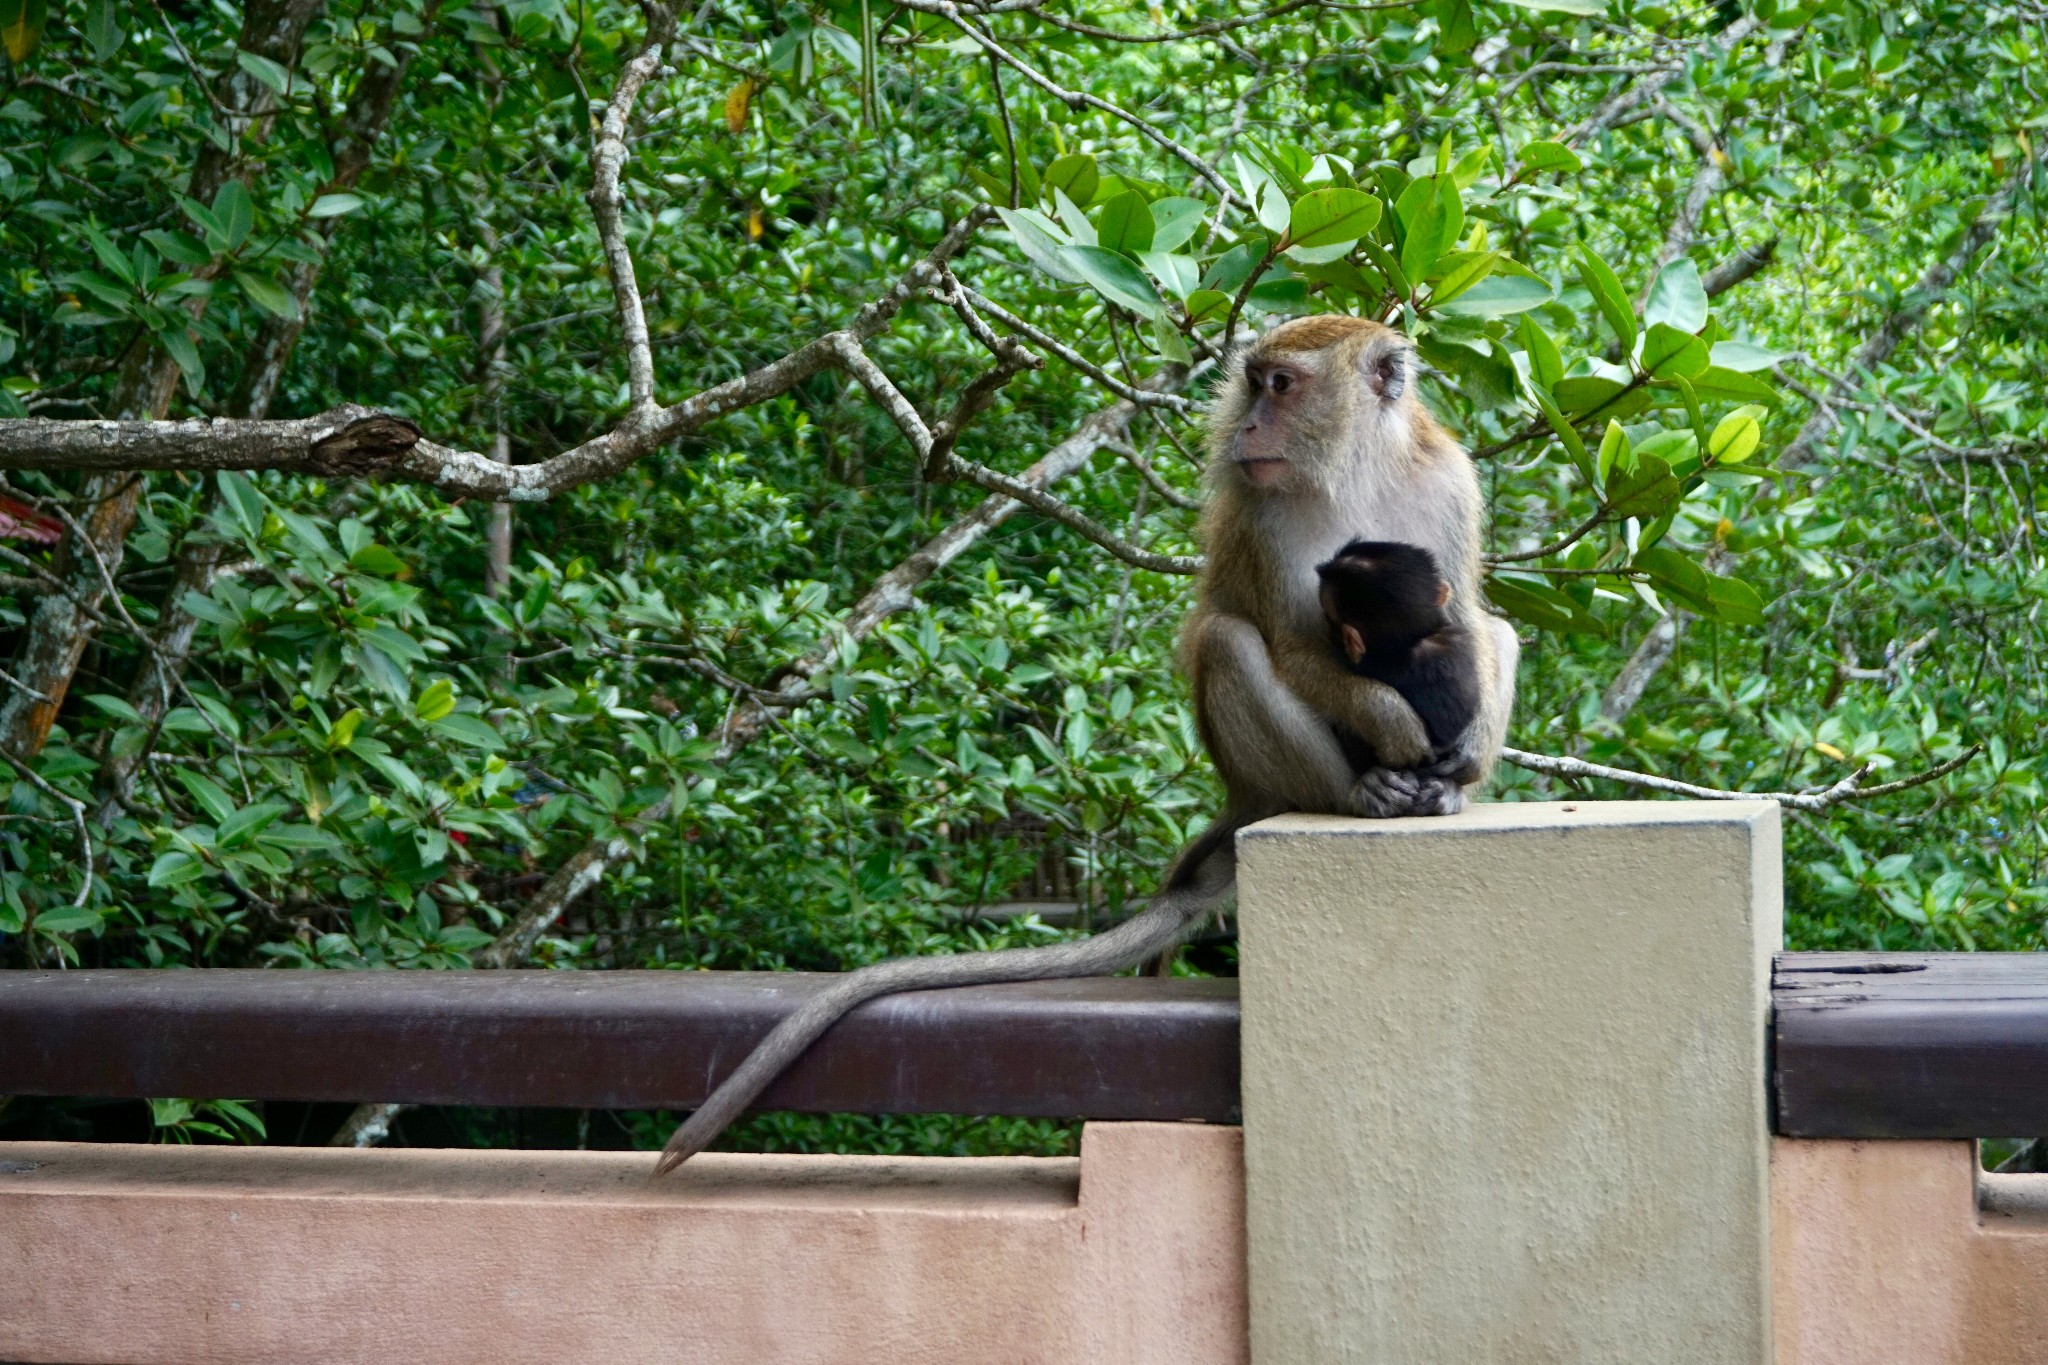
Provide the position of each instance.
(1386, 601)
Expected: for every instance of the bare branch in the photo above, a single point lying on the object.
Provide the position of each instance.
(1650, 656)
(1563, 542)
(607, 204)
(76, 809)
(1046, 505)
(1650, 85)
(1848, 789)
(1739, 266)
(1048, 342)
(343, 442)
(328, 446)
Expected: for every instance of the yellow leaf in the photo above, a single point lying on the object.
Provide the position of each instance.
(21, 26)
(1830, 750)
(753, 225)
(736, 105)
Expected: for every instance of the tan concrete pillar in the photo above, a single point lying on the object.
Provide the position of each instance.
(1505, 1087)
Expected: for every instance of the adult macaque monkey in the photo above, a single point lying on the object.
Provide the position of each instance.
(1316, 439)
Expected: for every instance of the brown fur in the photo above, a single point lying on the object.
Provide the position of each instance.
(1356, 465)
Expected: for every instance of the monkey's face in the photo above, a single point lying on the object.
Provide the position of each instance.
(1307, 397)
(1283, 402)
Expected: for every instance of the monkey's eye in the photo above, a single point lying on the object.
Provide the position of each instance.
(1280, 381)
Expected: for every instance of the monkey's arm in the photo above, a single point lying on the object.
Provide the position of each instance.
(1375, 711)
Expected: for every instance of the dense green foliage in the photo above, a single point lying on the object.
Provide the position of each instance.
(372, 761)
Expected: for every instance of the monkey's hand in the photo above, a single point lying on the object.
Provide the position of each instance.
(1375, 712)
(1383, 793)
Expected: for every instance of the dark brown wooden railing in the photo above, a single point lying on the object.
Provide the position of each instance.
(1116, 1048)
(1885, 1045)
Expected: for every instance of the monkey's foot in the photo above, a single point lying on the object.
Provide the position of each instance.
(1384, 793)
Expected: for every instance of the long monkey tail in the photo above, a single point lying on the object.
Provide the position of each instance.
(1201, 876)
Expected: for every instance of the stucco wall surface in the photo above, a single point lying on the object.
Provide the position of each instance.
(177, 1256)
(1504, 1084)
(1902, 1253)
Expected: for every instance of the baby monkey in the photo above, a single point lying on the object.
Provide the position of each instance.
(1386, 605)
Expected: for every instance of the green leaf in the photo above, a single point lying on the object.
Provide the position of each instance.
(1230, 270)
(1080, 230)
(1608, 296)
(1717, 382)
(1041, 240)
(334, 205)
(1542, 606)
(1271, 208)
(1677, 298)
(1462, 270)
(180, 247)
(1204, 304)
(1167, 340)
(1667, 351)
(1497, 296)
(1589, 8)
(1586, 392)
(377, 560)
(1431, 217)
(265, 70)
(1644, 490)
(436, 701)
(1180, 274)
(67, 920)
(1737, 436)
(1740, 356)
(1076, 175)
(343, 732)
(267, 294)
(1332, 217)
(1573, 446)
(1546, 363)
(1115, 278)
(1735, 601)
(177, 342)
(1614, 450)
(473, 731)
(1538, 157)
(1176, 220)
(117, 707)
(235, 212)
(217, 804)
(1125, 224)
(103, 28)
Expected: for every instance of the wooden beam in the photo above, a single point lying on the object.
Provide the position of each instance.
(1911, 1045)
(1107, 1048)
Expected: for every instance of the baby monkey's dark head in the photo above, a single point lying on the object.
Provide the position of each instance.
(1383, 593)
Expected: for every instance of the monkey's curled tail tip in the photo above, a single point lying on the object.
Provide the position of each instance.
(686, 1143)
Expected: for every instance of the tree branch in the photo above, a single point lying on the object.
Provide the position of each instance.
(607, 204)
(337, 443)
(1848, 789)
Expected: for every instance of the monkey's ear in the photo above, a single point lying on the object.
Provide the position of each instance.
(1443, 594)
(1354, 642)
(1386, 371)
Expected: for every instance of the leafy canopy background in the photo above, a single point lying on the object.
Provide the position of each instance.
(1653, 252)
